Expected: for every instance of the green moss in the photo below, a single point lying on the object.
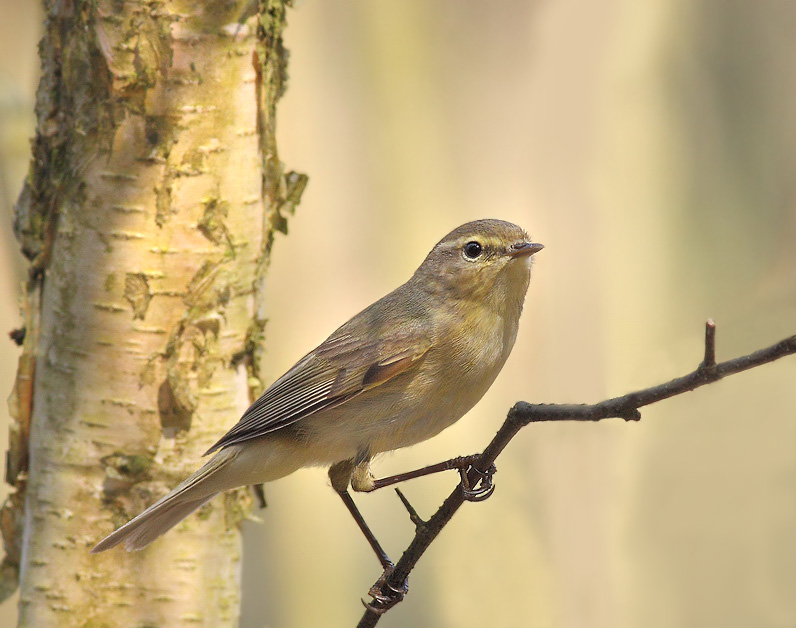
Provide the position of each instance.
(133, 467)
(76, 115)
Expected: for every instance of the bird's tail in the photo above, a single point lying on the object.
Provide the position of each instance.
(164, 514)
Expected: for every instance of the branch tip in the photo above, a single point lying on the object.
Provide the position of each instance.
(710, 344)
(413, 516)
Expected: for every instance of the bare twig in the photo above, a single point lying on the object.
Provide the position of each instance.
(710, 344)
(413, 516)
(624, 407)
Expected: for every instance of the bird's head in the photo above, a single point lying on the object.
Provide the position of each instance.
(484, 259)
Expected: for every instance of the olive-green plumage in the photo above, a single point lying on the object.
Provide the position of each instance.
(396, 374)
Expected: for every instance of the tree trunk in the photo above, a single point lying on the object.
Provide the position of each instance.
(148, 215)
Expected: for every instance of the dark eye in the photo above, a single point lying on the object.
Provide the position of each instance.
(472, 250)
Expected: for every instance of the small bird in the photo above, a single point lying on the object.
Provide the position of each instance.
(396, 374)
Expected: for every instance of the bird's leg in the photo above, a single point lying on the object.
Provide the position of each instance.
(462, 464)
(357, 471)
(385, 561)
(339, 474)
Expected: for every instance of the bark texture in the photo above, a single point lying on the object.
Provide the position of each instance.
(149, 214)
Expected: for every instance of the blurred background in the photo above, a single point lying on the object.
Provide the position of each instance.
(651, 147)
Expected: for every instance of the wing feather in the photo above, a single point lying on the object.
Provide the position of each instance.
(339, 369)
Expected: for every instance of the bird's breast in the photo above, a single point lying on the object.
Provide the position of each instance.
(469, 349)
(456, 372)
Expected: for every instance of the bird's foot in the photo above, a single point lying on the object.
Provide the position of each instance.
(482, 488)
(384, 594)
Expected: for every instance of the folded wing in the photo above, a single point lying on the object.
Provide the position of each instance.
(343, 367)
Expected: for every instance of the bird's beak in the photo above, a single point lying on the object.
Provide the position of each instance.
(521, 249)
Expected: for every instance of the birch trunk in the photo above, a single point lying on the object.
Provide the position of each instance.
(148, 215)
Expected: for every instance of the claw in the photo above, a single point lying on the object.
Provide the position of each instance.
(402, 591)
(478, 493)
(384, 594)
(374, 609)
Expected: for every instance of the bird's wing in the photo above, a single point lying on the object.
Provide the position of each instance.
(341, 368)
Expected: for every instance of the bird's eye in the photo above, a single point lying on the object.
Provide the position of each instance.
(472, 250)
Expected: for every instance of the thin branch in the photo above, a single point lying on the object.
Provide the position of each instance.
(624, 407)
(413, 516)
(710, 344)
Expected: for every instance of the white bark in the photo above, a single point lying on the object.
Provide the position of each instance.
(149, 216)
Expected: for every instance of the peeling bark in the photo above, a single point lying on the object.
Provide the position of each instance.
(148, 216)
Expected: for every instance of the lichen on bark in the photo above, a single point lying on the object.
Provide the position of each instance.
(281, 190)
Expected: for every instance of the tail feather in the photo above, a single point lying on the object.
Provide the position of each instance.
(149, 525)
(167, 512)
